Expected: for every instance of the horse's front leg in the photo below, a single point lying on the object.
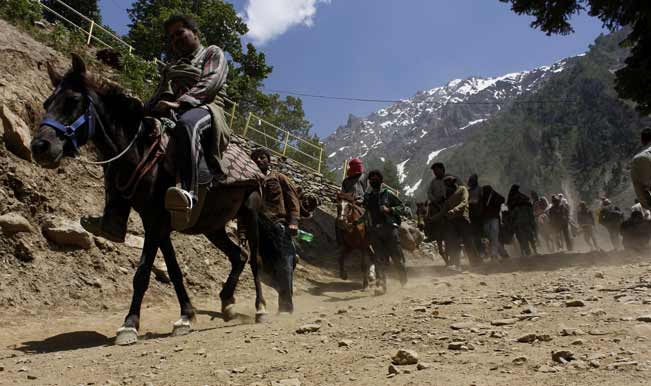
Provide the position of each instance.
(183, 325)
(128, 333)
(342, 263)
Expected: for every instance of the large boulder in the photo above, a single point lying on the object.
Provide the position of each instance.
(410, 237)
(16, 134)
(12, 223)
(67, 233)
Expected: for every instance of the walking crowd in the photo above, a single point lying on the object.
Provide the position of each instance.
(477, 221)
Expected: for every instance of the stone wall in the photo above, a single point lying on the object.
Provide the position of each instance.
(308, 181)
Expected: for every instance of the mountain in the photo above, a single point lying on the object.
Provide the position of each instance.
(413, 132)
(580, 145)
(554, 128)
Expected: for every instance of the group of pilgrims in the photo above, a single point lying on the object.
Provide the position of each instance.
(478, 222)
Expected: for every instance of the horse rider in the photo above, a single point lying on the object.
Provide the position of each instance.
(383, 211)
(641, 170)
(355, 183)
(279, 217)
(192, 88)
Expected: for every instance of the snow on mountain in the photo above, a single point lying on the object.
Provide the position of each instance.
(414, 131)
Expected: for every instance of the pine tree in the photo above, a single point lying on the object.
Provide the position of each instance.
(88, 8)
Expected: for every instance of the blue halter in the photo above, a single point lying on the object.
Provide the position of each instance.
(70, 131)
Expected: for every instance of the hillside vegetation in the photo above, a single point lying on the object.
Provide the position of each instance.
(574, 135)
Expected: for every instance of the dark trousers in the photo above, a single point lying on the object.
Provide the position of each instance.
(385, 241)
(279, 253)
(563, 230)
(589, 236)
(526, 240)
(459, 231)
(613, 232)
(187, 141)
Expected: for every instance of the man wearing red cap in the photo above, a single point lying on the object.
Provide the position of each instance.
(355, 182)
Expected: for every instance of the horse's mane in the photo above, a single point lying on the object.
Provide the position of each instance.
(114, 97)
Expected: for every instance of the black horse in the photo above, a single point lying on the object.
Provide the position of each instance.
(85, 109)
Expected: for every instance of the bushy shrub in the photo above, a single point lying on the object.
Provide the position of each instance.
(21, 11)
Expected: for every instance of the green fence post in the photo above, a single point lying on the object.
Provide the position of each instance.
(246, 127)
(320, 159)
(286, 142)
(232, 115)
(90, 32)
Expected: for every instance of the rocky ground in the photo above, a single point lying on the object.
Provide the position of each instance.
(582, 319)
(554, 319)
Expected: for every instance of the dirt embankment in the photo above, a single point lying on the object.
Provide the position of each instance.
(36, 273)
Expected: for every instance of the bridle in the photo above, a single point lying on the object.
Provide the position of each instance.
(71, 131)
(88, 118)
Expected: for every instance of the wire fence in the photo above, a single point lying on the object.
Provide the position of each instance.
(283, 143)
(263, 133)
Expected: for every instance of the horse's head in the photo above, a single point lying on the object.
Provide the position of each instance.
(74, 113)
(68, 121)
(344, 206)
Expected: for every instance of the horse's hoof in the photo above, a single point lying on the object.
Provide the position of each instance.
(229, 312)
(261, 317)
(343, 275)
(371, 273)
(126, 336)
(182, 327)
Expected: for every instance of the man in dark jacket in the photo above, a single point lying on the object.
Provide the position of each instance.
(476, 224)
(279, 217)
(455, 213)
(559, 215)
(524, 223)
(435, 229)
(611, 217)
(383, 211)
(491, 207)
(587, 223)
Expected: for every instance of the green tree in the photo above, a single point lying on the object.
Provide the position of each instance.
(632, 81)
(390, 173)
(87, 8)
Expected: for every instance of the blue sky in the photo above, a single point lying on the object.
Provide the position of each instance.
(387, 49)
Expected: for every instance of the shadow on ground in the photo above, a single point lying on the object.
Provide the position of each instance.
(65, 342)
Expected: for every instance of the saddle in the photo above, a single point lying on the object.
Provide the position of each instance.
(237, 167)
(238, 170)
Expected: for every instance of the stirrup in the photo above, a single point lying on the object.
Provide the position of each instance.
(179, 203)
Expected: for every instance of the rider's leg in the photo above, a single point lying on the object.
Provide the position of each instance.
(187, 139)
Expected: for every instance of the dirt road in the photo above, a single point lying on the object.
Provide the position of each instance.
(463, 327)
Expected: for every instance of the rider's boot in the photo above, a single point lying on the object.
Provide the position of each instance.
(179, 202)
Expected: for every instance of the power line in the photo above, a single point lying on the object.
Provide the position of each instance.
(353, 99)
